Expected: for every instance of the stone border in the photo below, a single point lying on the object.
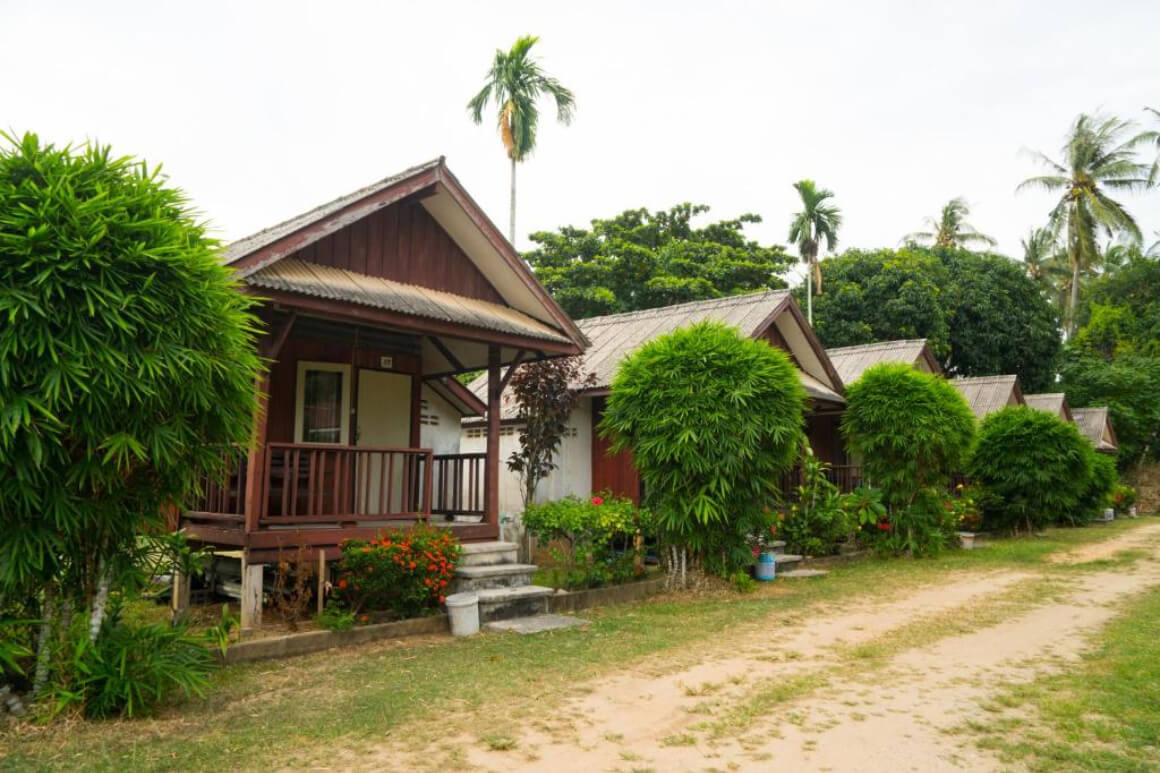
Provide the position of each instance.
(317, 641)
(572, 601)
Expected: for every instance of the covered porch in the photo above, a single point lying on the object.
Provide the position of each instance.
(371, 305)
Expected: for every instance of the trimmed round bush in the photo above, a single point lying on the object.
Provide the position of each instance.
(1097, 495)
(1033, 467)
(712, 420)
(911, 429)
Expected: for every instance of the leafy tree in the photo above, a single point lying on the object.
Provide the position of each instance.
(1099, 157)
(514, 84)
(1033, 468)
(999, 321)
(643, 260)
(912, 430)
(712, 419)
(883, 295)
(817, 220)
(1133, 287)
(545, 396)
(980, 312)
(951, 229)
(1046, 265)
(127, 365)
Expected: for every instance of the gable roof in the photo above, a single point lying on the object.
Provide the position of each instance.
(1096, 425)
(852, 361)
(440, 193)
(614, 336)
(457, 395)
(1052, 402)
(987, 394)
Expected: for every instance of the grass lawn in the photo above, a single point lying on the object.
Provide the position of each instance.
(285, 712)
(1103, 714)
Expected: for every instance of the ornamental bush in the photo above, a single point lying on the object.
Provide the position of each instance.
(127, 372)
(592, 540)
(911, 429)
(405, 572)
(1032, 468)
(712, 420)
(1097, 494)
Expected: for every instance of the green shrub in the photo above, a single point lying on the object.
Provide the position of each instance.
(1033, 468)
(925, 527)
(712, 420)
(1097, 494)
(132, 669)
(334, 617)
(591, 539)
(816, 523)
(912, 430)
(1123, 497)
(742, 582)
(405, 572)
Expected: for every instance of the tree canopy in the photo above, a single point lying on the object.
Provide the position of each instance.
(980, 312)
(641, 259)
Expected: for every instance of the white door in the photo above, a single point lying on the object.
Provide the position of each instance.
(383, 418)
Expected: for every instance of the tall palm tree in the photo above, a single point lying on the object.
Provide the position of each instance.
(514, 84)
(817, 220)
(1099, 156)
(951, 229)
(1046, 264)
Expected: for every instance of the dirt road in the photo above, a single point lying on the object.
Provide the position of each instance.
(865, 688)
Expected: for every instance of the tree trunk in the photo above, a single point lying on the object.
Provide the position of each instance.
(810, 296)
(1074, 304)
(43, 644)
(817, 274)
(100, 602)
(512, 208)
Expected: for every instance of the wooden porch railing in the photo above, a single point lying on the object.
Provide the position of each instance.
(458, 484)
(314, 483)
(222, 499)
(846, 477)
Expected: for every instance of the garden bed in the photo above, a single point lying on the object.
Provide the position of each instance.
(317, 641)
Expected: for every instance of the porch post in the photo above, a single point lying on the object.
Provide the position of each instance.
(491, 462)
(255, 493)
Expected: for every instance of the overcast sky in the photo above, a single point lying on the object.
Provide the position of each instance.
(260, 110)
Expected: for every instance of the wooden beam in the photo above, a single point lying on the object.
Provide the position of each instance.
(447, 353)
(511, 369)
(271, 351)
(256, 460)
(491, 462)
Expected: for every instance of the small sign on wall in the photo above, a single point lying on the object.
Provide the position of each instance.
(386, 362)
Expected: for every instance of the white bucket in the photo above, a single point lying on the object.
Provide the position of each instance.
(463, 611)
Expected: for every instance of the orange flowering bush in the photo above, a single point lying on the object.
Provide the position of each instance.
(404, 572)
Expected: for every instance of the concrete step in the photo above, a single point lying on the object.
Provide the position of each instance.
(533, 624)
(493, 576)
(786, 561)
(776, 545)
(488, 553)
(507, 603)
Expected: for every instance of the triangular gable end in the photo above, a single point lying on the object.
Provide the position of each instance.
(787, 327)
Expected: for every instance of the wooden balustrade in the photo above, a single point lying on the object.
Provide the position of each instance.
(458, 484)
(315, 483)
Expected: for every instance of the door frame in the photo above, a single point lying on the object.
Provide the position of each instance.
(300, 397)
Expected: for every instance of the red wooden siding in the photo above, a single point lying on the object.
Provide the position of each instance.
(825, 438)
(614, 473)
(402, 242)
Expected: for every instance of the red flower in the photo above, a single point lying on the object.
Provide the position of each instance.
(883, 526)
(342, 584)
(597, 500)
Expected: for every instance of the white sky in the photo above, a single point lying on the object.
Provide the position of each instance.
(262, 110)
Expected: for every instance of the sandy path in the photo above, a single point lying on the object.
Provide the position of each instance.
(851, 715)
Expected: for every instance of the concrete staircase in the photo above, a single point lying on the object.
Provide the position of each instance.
(504, 587)
(783, 560)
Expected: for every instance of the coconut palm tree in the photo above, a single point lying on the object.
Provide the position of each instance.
(817, 220)
(1046, 264)
(514, 84)
(951, 229)
(1099, 156)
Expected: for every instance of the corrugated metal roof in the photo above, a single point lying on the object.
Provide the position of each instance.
(987, 394)
(266, 236)
(298, 276)
(852, 361)
(614, 336)
(1093, 423)
(1052, 402)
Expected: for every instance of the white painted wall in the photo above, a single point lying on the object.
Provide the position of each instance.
(439, 426)
(573, 473)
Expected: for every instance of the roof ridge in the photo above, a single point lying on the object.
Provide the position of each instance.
(724, 300)
(352, 196)
(878, 344)
(1000, 377)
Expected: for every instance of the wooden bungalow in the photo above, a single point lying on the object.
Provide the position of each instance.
(371, 303)
(584, 464)
(852, 361)
(1052, 402)
(1096, 425)
(987, 394)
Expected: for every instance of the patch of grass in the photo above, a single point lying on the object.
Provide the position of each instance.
(299, 711)
(679, 739)
(1103, 714)
(498, 742)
